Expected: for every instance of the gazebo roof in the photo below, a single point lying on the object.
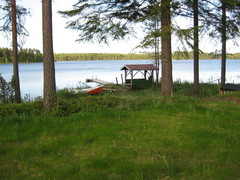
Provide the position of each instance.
(132, 67)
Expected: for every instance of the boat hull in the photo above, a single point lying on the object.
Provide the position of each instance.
(93, 91)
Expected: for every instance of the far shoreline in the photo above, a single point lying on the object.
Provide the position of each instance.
(120, 60)
(30, 58)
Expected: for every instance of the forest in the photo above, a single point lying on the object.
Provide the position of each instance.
(25, 55)
(33, 55)
(146, 55)
(98, 56)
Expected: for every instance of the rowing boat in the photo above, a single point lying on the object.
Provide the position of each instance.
(92, 91)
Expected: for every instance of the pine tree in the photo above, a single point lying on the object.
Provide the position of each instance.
(48, 58)
(224, 23)
(114, 19)
(15, 53)
(167, 82)
(196, 48)
(13, 22)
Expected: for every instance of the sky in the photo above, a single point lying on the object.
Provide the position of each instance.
(64, 39)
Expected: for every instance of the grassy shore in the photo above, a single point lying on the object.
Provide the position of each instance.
(127, 135)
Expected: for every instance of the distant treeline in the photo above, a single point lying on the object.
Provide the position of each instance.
(34, 55)
(115, 56)
(215, 55)
(98, 56)
(24, 55)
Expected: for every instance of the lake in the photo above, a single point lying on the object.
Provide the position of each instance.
(69, 74)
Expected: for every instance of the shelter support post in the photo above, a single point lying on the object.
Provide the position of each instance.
(145, 74)
(125, 77)
(131, 78)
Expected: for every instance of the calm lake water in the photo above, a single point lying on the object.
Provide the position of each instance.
(70, 73)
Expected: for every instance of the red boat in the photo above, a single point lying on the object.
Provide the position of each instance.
(93, 91)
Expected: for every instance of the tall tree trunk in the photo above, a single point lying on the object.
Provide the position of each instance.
(48, 58)
(157, 59)
(15, 53)
(196, 49)
(157, 53)
(224, 42)
(167, 82)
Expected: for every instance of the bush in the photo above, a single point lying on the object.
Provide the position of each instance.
(6, 90)
(183, 88)
(79, 102)
(30, 108)
(69, 103)
(187, 89)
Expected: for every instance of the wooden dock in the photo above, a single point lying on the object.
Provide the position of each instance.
(99, 81)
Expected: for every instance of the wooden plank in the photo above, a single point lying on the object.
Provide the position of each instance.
(99, 81)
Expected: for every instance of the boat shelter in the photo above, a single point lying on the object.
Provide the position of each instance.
(131, 70)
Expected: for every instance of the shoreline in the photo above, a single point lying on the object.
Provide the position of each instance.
(123, 60)
(35, 58)
(81, 60)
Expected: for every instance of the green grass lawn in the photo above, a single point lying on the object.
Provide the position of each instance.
(130, 135)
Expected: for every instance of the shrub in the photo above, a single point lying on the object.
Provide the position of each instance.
(30, 108)
(6, 90)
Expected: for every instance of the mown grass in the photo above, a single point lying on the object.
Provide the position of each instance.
(130, 135)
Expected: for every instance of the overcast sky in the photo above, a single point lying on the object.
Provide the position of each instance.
(64, 39)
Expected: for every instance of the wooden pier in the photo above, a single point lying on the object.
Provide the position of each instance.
(99, 81)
